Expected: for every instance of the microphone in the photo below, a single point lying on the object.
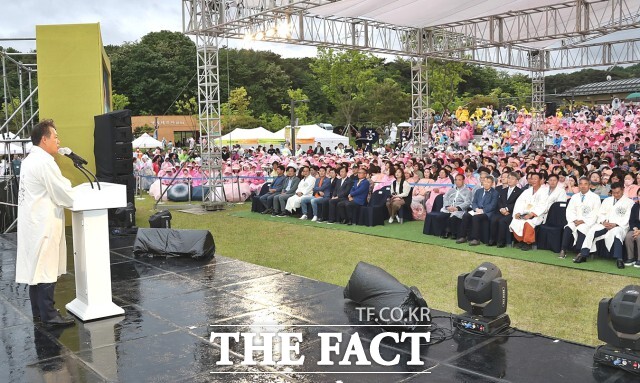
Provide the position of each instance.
(74, 157)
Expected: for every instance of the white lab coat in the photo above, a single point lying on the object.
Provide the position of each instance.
(42, 197)
(587, 211)
(306, 188)
(528, 202)
(618, 214)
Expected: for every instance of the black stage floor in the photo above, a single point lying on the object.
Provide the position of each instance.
(169, 307)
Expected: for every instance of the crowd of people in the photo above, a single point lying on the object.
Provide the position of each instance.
(486, 152)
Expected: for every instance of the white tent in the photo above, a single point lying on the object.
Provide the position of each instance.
(14, 147)
(312, 134)
(249, 137)
(146, 141)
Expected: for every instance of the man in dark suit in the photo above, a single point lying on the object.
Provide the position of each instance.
(340, 192)
(289, 189)
(274, 190)
(318, 149)
(483, 207)
(506, 201)
(357, 197)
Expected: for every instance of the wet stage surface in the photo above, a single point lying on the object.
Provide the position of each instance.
(172, 306)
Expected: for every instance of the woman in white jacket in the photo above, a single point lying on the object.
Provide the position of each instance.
(400, 189)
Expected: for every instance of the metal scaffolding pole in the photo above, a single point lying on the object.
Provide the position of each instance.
(209, 118)
(537, 61)
(419, 101)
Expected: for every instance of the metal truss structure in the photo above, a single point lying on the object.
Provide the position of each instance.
(557, 36)
(419, 101)
(19, 111)
(19, 103)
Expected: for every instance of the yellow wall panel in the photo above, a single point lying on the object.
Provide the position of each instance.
(71, 86)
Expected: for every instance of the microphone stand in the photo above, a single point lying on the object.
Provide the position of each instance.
(84, 171)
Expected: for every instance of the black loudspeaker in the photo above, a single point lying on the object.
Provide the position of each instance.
(195, 244)
(112, 144)
(125, 216)
(113, 150)
(370, 286)
(160, 220)
(550, 109)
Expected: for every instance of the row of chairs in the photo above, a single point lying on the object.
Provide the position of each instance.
(373, 214)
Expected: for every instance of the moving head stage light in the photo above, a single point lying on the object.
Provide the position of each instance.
(619, 327)
(482, 293)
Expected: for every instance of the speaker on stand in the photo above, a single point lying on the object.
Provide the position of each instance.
(114, 152)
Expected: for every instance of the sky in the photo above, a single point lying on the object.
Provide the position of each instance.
(120, 21)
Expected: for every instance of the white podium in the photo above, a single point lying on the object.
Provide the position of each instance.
(91, 250)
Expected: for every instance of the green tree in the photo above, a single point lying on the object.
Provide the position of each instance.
(236, 112)
(8, 108)
(344, 76)
(444, 79)
(146, 128)
(273, 122)
(187, 107)
(301, 109)
(154, 71)
(387, 102)
(119, 101)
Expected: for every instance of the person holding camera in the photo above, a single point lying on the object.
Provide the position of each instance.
(400, 189)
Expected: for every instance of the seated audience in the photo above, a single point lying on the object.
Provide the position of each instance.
(305, 187)
(274, 189)
(356, 198)
(321, 190)
(506, 202)
(632, 240)
(483, 207)
(400, 190)
(288, 190)
(528, 212)
(582, 214)
(611, 226)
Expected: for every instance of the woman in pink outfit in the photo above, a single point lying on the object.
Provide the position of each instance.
(418, 209)
(444, 183)
(630, 186)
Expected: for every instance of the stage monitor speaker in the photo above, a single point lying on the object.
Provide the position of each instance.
(196, 244)
(160, 220)
(371, 286)
(112, 144)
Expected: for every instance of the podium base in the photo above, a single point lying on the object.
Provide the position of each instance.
(95, 311)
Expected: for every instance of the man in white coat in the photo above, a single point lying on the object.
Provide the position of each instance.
(529, 211)
(555, 193)
(612, 226)
(305, 188)
(582, 213)
(42, 248)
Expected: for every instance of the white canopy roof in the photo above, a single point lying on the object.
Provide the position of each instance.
(312, 134)
(433, 13)
(247, 134)
(146, 141)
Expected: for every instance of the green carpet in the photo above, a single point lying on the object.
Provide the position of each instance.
(412, 231)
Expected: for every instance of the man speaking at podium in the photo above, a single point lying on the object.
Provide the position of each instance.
(42, 248)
